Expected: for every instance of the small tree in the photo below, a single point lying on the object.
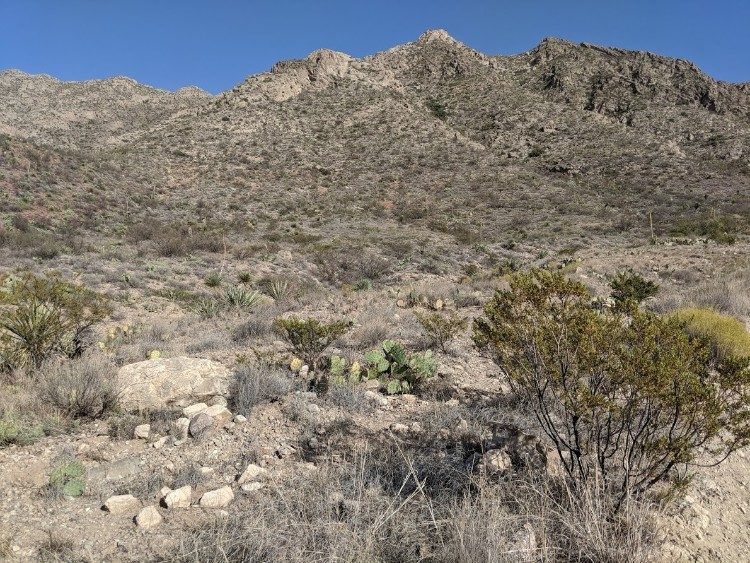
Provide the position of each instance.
(42, 316)
(441, 329)
(309, 337)
(630, 399)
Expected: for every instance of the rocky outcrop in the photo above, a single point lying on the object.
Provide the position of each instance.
(155, 384)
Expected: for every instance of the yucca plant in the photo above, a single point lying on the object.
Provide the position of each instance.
(276, 289)
(242, 298)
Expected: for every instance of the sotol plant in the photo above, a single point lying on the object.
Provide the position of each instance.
(399, 371)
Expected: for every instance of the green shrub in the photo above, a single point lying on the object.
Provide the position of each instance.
(42, 316)
(441, 329)
(309, 337)
(397, 370)
(631, 402)
(628, 286)
(727, 335)
(436, 108)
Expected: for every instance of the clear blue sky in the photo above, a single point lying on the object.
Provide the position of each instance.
(214, 44)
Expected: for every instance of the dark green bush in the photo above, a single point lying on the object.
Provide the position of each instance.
(628, 286)
(309, 337)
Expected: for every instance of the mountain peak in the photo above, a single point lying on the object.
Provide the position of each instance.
(436, 35)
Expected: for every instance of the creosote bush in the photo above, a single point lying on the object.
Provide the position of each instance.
(629, 400)
(43, 315)
(441, 329)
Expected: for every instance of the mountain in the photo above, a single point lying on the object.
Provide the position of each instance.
(561, 146)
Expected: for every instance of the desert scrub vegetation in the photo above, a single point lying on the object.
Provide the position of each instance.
(441, 329)
(630, 287)
(631, 401)
(42, 316)
(310, 337)
(256, 383)
(727, 335)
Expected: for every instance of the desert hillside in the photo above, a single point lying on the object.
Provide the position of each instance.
(158, 401)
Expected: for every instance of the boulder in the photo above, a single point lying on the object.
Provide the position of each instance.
(122, 504)
(167, 382)
(179, 498)
(148, 518)
(200, 425)
(495, 462)
(180, 428)
(218, 498)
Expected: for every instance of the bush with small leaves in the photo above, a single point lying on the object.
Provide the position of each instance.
(80, 388)
(630, 287)
(41, 316)
(397, 370)
(441, 329)
(309, 337)
(629, 400)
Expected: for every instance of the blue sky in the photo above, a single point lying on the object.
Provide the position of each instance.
(214, 44)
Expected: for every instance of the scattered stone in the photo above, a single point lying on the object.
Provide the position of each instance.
(200, 425)
(495, 462)
(399, 428)
(252, 473)
(164, 491)
(142, 431)
(180, 428)
(252, 487)
(217, 499)
(148, 518)
(239, 419)
(313, 408)
(218, 401)
(179, 498)
(219, 413)
(195, 408)
(160, 443)
(416, 427)
(122, 504)
(376, 398)
(304, 370)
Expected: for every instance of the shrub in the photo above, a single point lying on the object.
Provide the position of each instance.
(399, 371)
(255, 384)
(309, 337)
(628, 286)
(41, 316)
(727, 335)
(632, 402)
(441, 329)
(436, 108)
(80, 388)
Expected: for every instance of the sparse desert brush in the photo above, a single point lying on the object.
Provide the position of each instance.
(256, 383)
(85, 387)
(43, 315)
(213, 279)
(594, 378)
(441, 328)
(727, 335)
